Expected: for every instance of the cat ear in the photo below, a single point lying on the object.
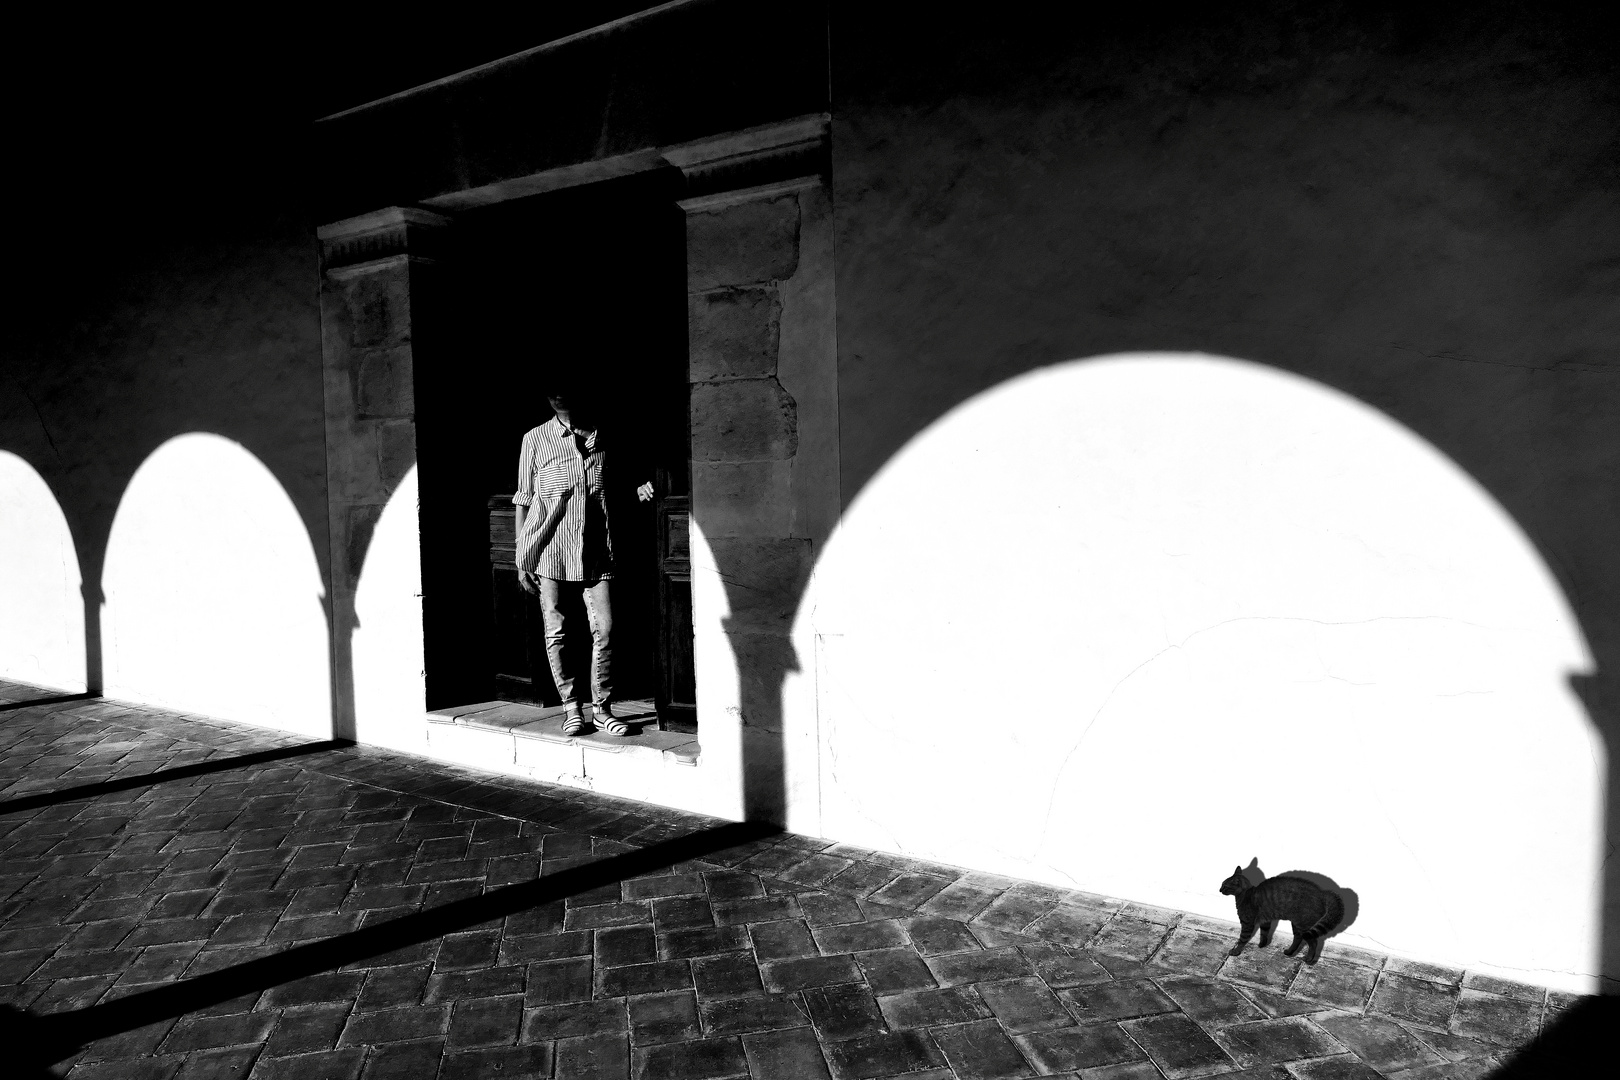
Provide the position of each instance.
(1236, 870)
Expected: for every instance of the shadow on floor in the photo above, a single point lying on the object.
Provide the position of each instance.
(1575, 1044)
(202, 768)
(34, 1043)
(59, 700)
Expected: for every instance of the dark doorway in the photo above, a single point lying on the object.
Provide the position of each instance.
(594, 279)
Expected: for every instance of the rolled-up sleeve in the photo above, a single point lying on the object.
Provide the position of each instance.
(524, 495)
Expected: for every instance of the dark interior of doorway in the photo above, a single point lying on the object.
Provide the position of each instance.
(593, 279)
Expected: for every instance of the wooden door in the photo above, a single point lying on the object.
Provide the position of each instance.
(677, 682)
(522, 672)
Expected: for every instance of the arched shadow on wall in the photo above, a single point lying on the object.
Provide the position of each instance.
(213, 595)
(42, 617)
(766, 670)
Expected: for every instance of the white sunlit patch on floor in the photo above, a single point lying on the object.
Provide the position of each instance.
(213, 598)
(41, 607)
(1123, 623)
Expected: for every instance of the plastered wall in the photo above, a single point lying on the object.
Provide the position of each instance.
(1135, 598)
(165, 392)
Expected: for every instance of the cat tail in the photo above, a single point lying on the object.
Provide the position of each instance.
(1330, 918)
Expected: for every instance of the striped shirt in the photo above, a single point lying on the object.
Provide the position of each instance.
(561, 474)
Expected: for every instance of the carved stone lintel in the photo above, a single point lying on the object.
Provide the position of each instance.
(754, 157)
(382, 234)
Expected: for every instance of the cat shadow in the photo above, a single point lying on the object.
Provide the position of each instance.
(1352, 902)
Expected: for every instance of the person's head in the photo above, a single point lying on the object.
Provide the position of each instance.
(567, 393)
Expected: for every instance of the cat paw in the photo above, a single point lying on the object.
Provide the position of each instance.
(1235, 952)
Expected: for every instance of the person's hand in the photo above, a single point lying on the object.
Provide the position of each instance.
(530, 582)
(645, 492)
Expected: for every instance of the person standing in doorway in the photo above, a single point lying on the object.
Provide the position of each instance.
(565, 545)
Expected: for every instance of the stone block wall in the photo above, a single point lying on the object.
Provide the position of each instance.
(376, 272)
(764, 458)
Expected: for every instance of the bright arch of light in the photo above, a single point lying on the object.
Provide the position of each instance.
(41, 608)
(390, 706)
(213, 597)
(1132, 620)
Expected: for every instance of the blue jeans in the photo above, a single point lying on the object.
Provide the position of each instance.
(558, 602)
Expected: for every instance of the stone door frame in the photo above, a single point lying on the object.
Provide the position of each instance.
(763, 390)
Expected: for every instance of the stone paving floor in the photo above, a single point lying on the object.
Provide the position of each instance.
(185, 897)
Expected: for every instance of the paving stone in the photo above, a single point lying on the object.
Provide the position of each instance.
(893, 1054)
(927, 1008)
(731, 885)
(1344, 986)
(390, 987)
(1088, 1046)
(1059, 967)
(910, 890)
(331, 1065)
(461, 951)
(736, 1015)
(726, 976)
(1490, 984)
(1024, 1005)
(330, 986)
(1066, 924)
(513, 1061)
(1134, 939)
(214, 1064)
(681, 913)
(844, 1012)
(213, 1031)
(617, 946)
(792, 1054)
(1191, 951)
(489, 982)
(933, 935)
(980, 1051)
(548, 1022)
(395, 1025)
(703, 941)
(404, 1060)
(590, 918)
(1138, 1070)
(1290, 1038)
(1266, 968)
(1179, 1047)
(1418, 969)
(829, 909)
(517, 950)
(1116, 1000)
(781, 940)
(698, 1060)
(761, 909)
(492, 1021)
(307, 1029)
(1345, 1067)
(653, 978)
(1381, 1043)
(1494, 1018)
(661, 1018)
(889, 971)
(1450, 1047)
(800, 973)
(1276, 1004)
(954, 969)
(960, 900)
(1417, 1000)
(1209, 1001)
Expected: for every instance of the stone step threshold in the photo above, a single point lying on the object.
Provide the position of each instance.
(518, 720)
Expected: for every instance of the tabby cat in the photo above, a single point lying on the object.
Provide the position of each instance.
(1311, 910)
